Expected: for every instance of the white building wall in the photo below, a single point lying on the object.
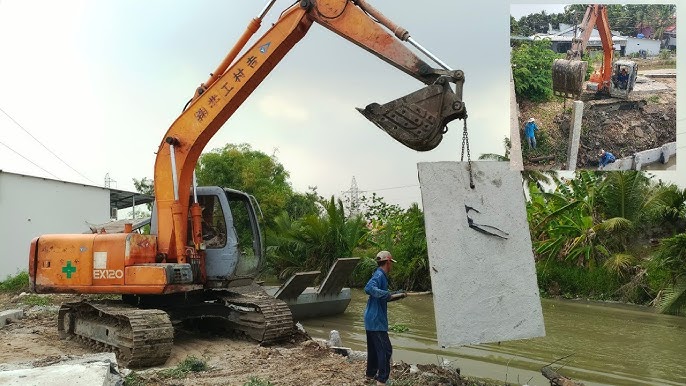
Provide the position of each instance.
(634, 45)
(32, 206)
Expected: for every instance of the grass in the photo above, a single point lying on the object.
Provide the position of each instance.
(653, 99)
(255, 381)
(36, 300)
(397, 327)
(190, 364)
(16, 283)
(133, 379)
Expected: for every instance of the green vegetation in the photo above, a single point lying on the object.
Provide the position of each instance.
(653, 99)
(36, 300)
(190, 364)
(590, 237)
(398, 327)
(16, 283)
(256, 381)
(133, 379)
(532, 70)
(622, 18)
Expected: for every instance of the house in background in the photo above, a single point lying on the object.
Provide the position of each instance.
(34, 206)
(561, 41)
(670, 38)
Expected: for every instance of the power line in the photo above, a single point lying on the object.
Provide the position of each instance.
(15, 152)
(394, 187)
(46, 148)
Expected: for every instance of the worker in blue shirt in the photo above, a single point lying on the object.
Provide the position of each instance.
(530, 132)
(605, 158)
(379, 347)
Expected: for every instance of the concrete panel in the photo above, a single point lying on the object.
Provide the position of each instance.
(296, 284)
(10, 314)
(338, 273)
(89, 370)
(484, 286)
(516, 161)
(575, 134)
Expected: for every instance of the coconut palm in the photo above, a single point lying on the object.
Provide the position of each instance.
(672, 257)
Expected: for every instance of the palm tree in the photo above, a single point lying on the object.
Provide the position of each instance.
(315, 241)
(672, 257)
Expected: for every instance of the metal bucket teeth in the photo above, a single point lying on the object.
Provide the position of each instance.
(568, 77)
(418, 120)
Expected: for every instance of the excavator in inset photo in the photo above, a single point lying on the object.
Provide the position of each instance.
(614, 79)
(204, 250)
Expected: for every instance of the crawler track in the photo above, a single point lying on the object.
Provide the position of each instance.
(259, 315)
(139, 338)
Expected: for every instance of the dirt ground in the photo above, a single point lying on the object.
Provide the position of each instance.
(645, 121)
(231, 361)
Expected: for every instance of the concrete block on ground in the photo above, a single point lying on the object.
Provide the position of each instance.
(10, 314)
(668, 151)
(484, 286)
(626, 163)
(90, 370)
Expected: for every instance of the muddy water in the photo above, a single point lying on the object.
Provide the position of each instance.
(609, 344)
(670, 165)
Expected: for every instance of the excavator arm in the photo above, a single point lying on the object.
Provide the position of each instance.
(417, 120)
(569, 73)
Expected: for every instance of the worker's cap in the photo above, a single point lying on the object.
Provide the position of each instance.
(384, 256)
(531, 119)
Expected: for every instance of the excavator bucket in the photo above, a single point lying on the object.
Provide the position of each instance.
(568, 77)
(418, 120)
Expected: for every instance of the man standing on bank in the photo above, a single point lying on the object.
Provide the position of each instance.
(379, 347)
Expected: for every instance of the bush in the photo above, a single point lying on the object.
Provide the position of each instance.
(190, 364)
(665, 54)
(555, 278)
(17, 283)
(532, 70)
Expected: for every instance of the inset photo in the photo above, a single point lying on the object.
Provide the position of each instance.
(594, 86)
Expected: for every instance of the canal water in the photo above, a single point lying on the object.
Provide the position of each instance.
(599, 343)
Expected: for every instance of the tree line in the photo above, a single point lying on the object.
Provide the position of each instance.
(616, 235)
(627, 19)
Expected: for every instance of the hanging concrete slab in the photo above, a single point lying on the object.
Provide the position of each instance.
(482, 266)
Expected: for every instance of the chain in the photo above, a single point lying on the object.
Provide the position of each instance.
(465, 143)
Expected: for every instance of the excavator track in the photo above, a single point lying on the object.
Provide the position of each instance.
(259, 315)
(139, 337)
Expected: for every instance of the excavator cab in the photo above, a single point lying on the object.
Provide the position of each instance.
(232, 239)
(623, 78)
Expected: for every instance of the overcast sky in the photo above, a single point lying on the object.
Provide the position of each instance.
(99, 83)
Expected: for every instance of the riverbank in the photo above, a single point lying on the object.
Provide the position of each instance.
(225, 360)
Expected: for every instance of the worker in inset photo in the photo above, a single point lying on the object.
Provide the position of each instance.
(530, 133)
(605, 158)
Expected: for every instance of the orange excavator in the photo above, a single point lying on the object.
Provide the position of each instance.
(612, 79)
(204, 249)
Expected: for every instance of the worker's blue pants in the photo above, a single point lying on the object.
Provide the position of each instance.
(532, 142)
(379, 351)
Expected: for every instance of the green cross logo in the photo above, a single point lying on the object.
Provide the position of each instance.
(69, 269)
